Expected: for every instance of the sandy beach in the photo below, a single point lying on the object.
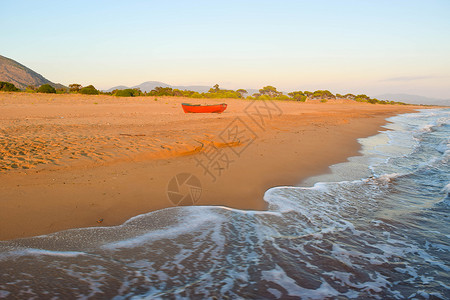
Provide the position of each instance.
(69, 161)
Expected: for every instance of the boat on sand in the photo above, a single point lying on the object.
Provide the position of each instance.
(198, 108)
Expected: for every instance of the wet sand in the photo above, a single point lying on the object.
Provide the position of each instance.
(69, 161)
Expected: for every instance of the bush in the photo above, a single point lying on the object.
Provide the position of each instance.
(324, 100)
(264, 97)
(61, 91)
(196, 95)
(89, 90)
(7, 87)
(74, 87)
(124, 93)
(161, 91)
(282, 97)
(360, 99)
(231, 94)
(46, 88)
(323, 94)
(298, 96)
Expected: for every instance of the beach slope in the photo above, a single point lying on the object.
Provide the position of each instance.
(69, 161)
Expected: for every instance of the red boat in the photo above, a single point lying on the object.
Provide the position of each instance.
(198, 108)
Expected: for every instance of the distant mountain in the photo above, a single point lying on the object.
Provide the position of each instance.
(414, 99)
(150, 85)
(19, 75)
(119, 87)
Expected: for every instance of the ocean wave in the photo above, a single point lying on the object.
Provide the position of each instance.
(38, 252)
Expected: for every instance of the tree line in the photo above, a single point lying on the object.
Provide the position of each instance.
(266, 93)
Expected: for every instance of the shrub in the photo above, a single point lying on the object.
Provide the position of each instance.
(61, 91)
(231, 94)
(241, 92)
(74, 87)
(270, 91)
(161, 91)
(323, 94)
(89, 90)
(350, 96)
(196, 95)
(7, 87)
(46, 88)
(264, 97)
(298, 96)
(324, 100)
(282, 97)
(124, 93)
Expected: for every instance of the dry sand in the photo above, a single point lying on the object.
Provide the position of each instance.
(69, 161)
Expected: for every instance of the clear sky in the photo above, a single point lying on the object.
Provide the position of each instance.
(370, 46)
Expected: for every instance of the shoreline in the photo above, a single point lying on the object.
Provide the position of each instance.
(302, 141)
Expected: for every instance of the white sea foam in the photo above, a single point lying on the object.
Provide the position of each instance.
(197, 217)
(279, 276)
(39, 252)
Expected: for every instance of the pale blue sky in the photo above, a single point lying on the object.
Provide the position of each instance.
(370, 46)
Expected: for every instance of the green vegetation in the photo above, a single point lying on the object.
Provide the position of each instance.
(322, 94)
(127, 93)
(266, 93)
(46, 88)
(241, 92)
(350, 96)
(74, 87)
(217, 92)
(62, 91)
(8, 87)
(298, 96)
(89, 90)
(196, 95)
(124, 93)
(30, 89)
(270, 91)
(161, 91)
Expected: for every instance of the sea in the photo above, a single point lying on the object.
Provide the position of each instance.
(376, 227)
